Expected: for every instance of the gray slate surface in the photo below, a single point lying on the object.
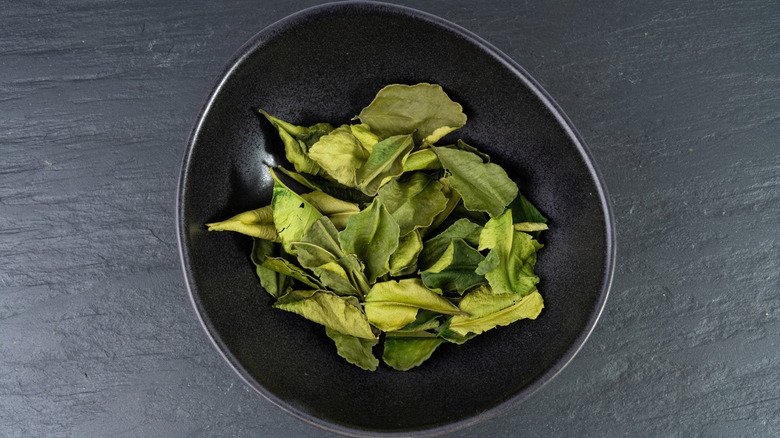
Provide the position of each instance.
(678, 102)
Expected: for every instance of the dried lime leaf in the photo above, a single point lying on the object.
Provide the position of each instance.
(354, 350)
(404, 260)
(256, 223)
(342, 314)
(292, 214)
(423, 109)
(414, 200)
(391, 305)
(455, 269)
(372, 235)
(335, 209)
(340, 154)
(297, 141)
(386, 161)
(509, 266)
(483, 186)
(404, 352)
(487, 309)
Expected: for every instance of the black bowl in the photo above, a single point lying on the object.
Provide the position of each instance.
(325, 64)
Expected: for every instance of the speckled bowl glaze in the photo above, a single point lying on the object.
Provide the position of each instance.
(325, 64)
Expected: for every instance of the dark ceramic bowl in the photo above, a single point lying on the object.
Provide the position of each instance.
(325, 64)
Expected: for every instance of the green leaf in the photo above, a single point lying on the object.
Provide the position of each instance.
(256, 223)
(313, 256)
(425, 320)
(364, 135)
(487, 309)
(434, 247)
(453, 200)
(509, 266)
(406, 352)
(422, 109)
(340, 154)
(323, 234)
(524, 211)
(320, 251)
(478, 217)
(455, 338)
(274, 282)
(340, 276)
(355, 270)
(391, 305)
(260, 222)
(491, 262)
(483, 186)
(288, 268)
(455, 270)
(342, 314)
(386, 161)
(404, 260)
(424, 159)
(413, 200)
(530, 227)
(292, 214)
(463, 146)
(356, 351)
(335, 209)
(372, 235)
(332, 188)
(297, 141)
(268, 256)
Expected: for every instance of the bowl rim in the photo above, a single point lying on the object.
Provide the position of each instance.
(225, 73)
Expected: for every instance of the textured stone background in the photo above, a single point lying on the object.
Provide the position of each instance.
(678, 102)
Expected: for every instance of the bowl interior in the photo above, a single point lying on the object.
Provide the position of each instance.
(325, 64)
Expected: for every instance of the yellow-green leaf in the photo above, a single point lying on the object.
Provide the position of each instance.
(423, 109)
(509, 266)
(386, 161)
(483, 186)
(524, 212)
(320, 251)
(424, 159)
(292, 215)
(273, 281)
(372, 235)
(434, 247)
(413, 199)
(453, 200)
(391, 305)
(342, 314)
(363, 133)
(297, 141)
(328, 186)
(340, 154)
(528, 227)
(275, 270)
(256, 223)
(487, 310)
(404, 352)
(354, 350)
(319, 244)
(335, 209)
(455, 269)
(404, 260)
